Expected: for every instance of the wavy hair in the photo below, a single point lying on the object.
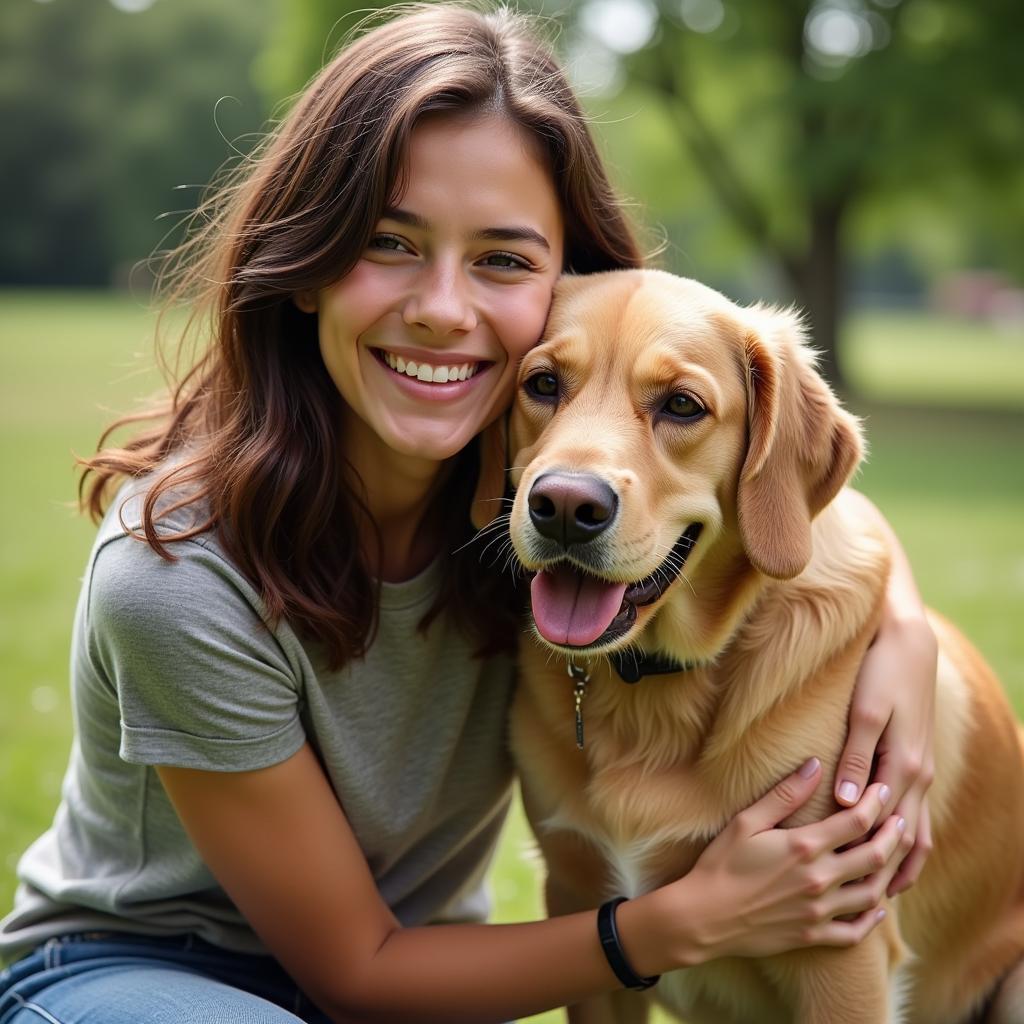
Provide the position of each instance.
(250, 434)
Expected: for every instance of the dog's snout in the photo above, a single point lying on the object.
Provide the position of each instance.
(571, 508)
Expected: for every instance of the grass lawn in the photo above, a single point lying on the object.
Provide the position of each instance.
(921, 359)
(951, 482)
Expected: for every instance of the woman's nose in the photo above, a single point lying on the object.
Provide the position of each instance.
(440, 301)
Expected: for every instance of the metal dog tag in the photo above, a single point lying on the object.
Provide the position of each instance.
(580, 677)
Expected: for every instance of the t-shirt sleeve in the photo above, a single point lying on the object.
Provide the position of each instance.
(199, 677)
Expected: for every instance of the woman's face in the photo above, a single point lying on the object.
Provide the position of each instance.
(424, 336)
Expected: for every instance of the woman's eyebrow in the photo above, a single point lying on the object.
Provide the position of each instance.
(498, 234)
(513, 234)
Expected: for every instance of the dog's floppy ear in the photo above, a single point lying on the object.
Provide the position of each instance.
(801, 448)
(490, 484)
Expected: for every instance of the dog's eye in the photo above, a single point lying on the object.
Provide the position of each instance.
(684, 407)
(543, 385)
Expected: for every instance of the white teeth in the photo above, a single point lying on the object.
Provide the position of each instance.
(427, 373)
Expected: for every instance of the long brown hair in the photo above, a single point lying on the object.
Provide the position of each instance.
(253, 426)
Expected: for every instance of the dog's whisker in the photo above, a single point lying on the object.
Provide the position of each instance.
(480, 537)
(499, 526)
(505, 550)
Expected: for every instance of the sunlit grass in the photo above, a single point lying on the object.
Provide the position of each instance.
(925, 359)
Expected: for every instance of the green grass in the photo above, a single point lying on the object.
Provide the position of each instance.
(951, 482)
(923, 359)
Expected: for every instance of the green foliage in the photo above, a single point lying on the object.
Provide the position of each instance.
(791, 103)
(305, 35)
(112, 119)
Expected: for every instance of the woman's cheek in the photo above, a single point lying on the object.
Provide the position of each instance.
(526, 324)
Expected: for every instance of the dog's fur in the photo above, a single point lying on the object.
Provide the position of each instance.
(779, 600)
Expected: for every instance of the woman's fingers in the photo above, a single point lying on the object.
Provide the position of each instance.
(911, 867)
(844, 933)
(843, 827)
(909, 777)
(867, 723)
(782, 800)
(869, 858)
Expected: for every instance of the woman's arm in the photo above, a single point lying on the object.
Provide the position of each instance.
(280, 845)
(892, 713)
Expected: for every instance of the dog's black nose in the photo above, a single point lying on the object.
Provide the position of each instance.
(571, 508)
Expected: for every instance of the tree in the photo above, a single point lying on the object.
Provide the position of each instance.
(106, 115)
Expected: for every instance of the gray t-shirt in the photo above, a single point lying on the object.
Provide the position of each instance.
(176, 664)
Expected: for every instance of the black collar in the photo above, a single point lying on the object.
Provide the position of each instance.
(632, 665)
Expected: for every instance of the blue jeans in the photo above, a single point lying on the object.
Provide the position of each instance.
(117, 978)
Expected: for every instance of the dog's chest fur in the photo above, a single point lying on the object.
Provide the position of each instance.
(669, 761)
(654, 783)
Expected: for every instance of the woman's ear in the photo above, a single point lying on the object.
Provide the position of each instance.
(306, 301)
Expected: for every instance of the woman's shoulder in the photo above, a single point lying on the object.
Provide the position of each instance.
(191, 580)
(200, 676)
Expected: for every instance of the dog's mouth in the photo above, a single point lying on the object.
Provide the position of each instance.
(573, 608)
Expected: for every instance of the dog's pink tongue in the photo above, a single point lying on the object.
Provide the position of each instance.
(572, 608)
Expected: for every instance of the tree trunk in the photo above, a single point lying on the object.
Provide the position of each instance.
(819, 285)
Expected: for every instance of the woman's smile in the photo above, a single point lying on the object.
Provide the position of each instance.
(436, 377)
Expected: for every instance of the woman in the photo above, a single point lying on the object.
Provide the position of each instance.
(290, 694)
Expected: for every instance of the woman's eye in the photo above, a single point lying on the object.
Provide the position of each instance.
(505, 261)
(543, 385)
(388, 243)
(684, 407)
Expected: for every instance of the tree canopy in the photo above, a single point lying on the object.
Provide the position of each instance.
(112, 119)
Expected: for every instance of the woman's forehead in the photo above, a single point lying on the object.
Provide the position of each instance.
(483, 172)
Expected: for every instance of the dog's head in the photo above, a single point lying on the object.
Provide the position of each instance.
(666, 446)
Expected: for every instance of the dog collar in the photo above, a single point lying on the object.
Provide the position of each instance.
(633, 666)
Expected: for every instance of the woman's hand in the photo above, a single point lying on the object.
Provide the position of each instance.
(891, 727)
(892, 715)
(758, 890)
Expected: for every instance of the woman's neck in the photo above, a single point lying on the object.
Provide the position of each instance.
(398, 491)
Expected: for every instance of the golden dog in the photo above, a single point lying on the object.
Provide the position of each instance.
(679, 469)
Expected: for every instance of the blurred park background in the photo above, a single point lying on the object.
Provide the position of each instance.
(861, 158)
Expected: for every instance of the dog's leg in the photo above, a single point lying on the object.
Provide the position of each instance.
(1008, 1005)
(842, 986)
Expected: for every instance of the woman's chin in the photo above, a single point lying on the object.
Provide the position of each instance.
(430, 440)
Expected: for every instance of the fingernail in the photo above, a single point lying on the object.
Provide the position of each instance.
(808, 768)
(880, 915)
(883, 794)
(848, 791)
(901, 824)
